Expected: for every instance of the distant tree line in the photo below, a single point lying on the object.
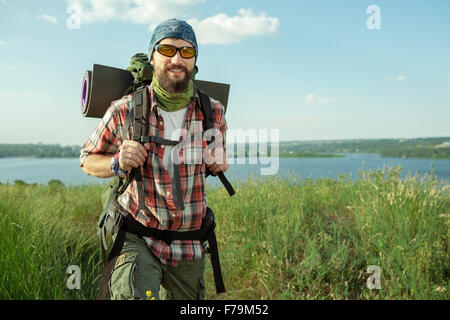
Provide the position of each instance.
(438, 147)
(423, 152)
(39, 151)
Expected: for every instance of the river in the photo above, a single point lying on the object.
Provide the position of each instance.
(68, 171)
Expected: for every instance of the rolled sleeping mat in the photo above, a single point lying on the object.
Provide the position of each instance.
(85, 91)
(104, 84)
(100, 87)
(216, 90)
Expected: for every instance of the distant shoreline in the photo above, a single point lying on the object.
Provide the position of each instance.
(421, 148)
(32, 157)
(312, 156)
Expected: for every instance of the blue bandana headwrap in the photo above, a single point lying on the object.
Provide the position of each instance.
(173, 28)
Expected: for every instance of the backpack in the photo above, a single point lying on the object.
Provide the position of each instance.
(113, 220)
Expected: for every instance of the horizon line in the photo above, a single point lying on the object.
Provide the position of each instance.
(280, 141)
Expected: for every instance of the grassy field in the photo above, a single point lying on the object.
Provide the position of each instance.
(278, 239)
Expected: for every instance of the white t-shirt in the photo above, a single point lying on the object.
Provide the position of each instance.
(172, 121)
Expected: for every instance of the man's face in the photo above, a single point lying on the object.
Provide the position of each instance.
(173, 73)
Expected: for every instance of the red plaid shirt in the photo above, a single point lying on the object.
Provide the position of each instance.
(160, 211)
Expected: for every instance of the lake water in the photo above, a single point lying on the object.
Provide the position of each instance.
(68, 171)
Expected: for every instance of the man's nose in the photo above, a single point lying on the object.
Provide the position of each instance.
(177, 58)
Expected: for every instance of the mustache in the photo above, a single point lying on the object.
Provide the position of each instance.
(175, 66)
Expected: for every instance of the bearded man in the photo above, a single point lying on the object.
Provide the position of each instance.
(146, 263)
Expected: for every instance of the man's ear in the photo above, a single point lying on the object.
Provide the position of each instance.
(151, 60)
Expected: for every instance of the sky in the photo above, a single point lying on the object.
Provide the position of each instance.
(314, 70)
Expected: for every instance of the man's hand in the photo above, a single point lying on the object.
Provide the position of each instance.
(132, 154)
(219, 166)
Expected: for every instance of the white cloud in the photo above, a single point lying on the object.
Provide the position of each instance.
(311, 100)
(2, 42)
(135, 11)
(219, 28)
(400, 78)
(48, 18)
(223, 29)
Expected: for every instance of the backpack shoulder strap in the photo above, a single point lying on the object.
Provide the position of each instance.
(141, 109)
(127, 122)
(205, 107)
(140, 129)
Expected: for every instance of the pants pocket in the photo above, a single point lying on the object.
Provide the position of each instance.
(122, 283)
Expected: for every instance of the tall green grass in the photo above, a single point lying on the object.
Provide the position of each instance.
(43, 230)
(278, 238)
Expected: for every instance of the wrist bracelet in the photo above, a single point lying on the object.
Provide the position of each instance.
(115, 166)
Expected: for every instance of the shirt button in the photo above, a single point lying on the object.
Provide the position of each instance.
(161, 123)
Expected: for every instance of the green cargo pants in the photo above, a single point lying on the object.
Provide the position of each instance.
(138, 274)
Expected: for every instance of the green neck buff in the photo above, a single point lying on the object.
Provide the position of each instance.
(172, 101)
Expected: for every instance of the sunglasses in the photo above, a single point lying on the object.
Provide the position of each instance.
(170, 51)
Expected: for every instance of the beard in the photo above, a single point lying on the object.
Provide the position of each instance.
(173, 85)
